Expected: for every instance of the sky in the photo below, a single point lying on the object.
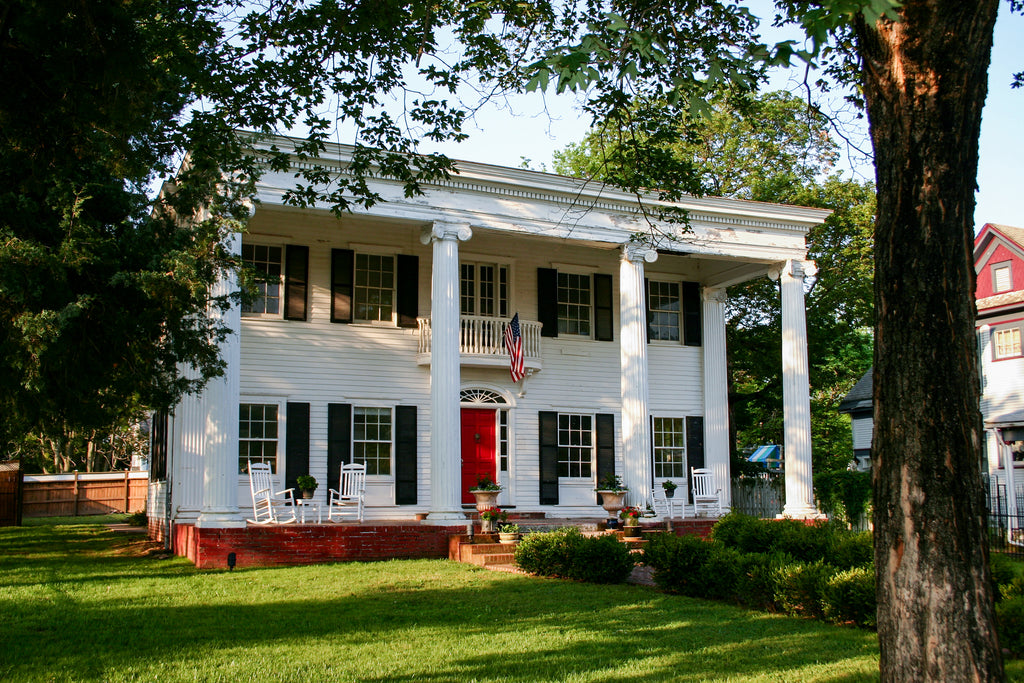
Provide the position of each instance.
(532, 127)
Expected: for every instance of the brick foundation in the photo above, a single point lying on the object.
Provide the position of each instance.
(292, 545)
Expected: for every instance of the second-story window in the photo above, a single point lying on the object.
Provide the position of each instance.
(266, 262)
(483, 289)
(574, 304)
(374, 288)
(664, 311)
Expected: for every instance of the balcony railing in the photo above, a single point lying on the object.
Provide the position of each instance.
(482, 342)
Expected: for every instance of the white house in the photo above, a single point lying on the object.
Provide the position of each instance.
(381, 342)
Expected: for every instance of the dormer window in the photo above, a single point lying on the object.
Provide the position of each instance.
(1002, 278)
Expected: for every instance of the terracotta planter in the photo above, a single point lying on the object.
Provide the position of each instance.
(507, 539)
(631, 531)
(612, 501)
(485, 499)
(307, 495)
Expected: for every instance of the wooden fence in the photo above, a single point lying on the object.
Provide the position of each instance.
(93, 493)
(10, 493)
(760, 496)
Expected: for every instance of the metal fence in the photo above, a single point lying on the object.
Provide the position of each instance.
(1006, 531)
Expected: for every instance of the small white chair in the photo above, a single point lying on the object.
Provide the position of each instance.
(707, 500)
(665, 507)
(269, 506)
(348, 500)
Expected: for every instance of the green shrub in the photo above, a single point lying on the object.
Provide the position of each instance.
(756, 584)
(1003, 574)
(568, 554)
(743, 532)
(828, 541)
(799, 587)
(852, 549)
(849, 596)
(677, 562)
(1010, 624)
(845, 493)
(719, 577)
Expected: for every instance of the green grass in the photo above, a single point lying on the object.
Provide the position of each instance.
(81, 603)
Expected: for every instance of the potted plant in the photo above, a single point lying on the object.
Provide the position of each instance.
(508, 533)
(670, 488)
(486, 492)
(613, 493)
(307, 484)
(630, 521)
(489, 516)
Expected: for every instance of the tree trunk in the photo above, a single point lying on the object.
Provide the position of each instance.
(925, 81)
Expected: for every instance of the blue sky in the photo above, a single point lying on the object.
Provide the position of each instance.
(532, 127)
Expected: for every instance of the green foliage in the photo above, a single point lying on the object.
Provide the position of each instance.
(843, 493)
(306, 483)
(829, 541)
(1010, 624)
(677, 562)
(611, 482)
(849, 597)
(566, 553)
(799, 588)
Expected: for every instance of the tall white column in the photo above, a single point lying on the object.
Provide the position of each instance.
(221, 396)
(716, 389)
(445, 373)
(636, 432)
(796, 400)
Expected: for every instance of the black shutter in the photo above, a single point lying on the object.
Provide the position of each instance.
(692, 331)
(647, 308)
(605, 427)
(342, 266)
(158, 446)
(547, 301)
(694, 448)
(405, 455)
(296, 442)
(407, 285)
(339, 441)
(548, 457)
(296, 278)
(603, 318)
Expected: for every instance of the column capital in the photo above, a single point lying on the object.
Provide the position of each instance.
(715, 295)
(440, 230)
(635, 252)
(794, 268)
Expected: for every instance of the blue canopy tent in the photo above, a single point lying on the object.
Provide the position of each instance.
(770, 456)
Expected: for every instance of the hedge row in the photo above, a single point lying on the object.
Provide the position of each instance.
(568, 554)
(773, 580)
(828, 542)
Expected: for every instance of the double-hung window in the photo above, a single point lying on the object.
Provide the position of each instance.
(669, 447)
(372, 443)
(664, 310)
(257, 435)
(266, 262)
(1006, 342)
(574, 304)
(483, 289)
(374, 288)
(575, 445)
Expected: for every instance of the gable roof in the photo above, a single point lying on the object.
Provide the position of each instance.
(1012, 237)
(859, 398)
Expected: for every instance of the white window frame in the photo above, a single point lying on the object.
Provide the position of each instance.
(392, 321)
(499, 311)
(656, 448)
(390, 409)
(568, 445)
(278, 465)
(652, 313)
(1003, 348)
(279, 315)
(995, 269)
(589, 306)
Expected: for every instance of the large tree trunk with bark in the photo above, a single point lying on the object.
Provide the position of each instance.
(925, 81)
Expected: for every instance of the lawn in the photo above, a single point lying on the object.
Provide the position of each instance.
(79, 602)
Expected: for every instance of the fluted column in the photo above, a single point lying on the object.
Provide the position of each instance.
(636, 433)
(221, 396)
(796, 400)
(445, 373)
(716, 389)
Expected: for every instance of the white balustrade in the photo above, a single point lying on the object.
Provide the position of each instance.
(482, 340)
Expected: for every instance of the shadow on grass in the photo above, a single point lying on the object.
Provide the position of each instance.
(399, 621)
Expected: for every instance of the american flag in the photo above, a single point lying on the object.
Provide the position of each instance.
(514, 346)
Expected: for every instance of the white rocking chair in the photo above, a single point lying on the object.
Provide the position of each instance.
(348, 500)
(707, 500)
(269, 506)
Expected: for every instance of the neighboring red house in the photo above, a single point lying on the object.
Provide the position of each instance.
(999, 262)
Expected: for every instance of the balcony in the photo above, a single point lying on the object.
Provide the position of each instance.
(482, 343)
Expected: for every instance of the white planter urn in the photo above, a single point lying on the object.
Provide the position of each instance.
(485, 499)
(612, 501)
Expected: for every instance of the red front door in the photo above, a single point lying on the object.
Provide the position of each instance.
(478, 446)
